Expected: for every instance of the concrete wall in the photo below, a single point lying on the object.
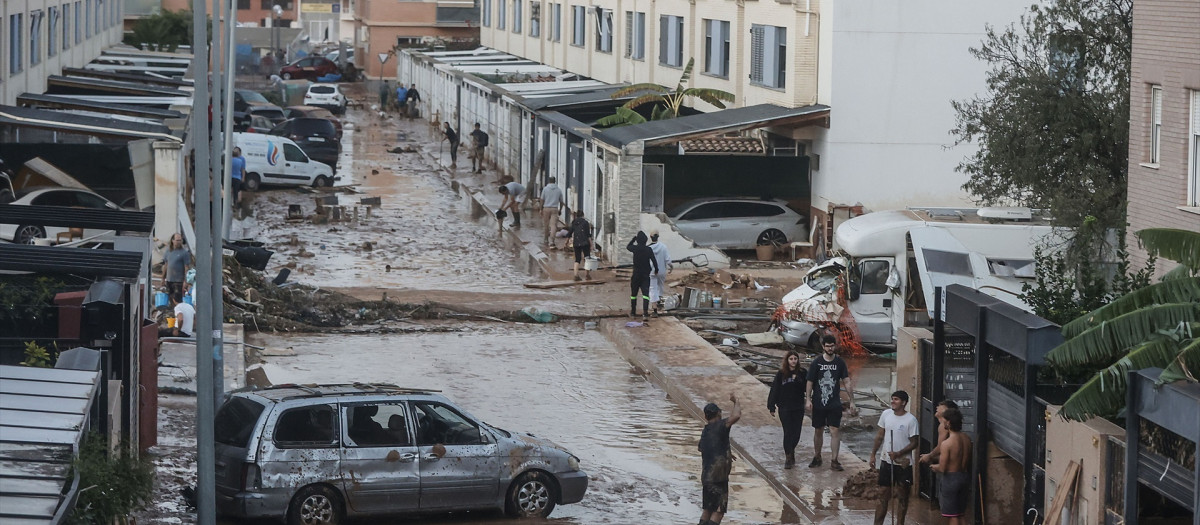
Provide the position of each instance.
(1087, 444)
(895, 69)
(104, 17)
(1166, 53)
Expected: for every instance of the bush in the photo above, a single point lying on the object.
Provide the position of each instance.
(111, 486)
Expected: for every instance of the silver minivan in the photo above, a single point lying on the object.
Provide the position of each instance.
(315, 454)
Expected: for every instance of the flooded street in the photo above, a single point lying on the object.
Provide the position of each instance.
(560, 382)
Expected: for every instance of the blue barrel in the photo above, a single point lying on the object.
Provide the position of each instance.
(160, 300)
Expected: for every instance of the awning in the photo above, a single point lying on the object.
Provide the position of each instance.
(70, 261)
(119, 220)
(70, 123)
(659, 132)
(60, 85)
(36, 101)
(43, 416)
(127, 77)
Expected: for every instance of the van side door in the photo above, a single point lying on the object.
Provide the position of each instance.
(300, 447)
(379, 458)
(872, 308)
(459, 464)
(298, 167)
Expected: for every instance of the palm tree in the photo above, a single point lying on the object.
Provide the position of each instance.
(667, 102)
(1156, 326)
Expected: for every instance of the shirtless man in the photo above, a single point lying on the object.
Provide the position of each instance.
(932, 455)
(955, 481)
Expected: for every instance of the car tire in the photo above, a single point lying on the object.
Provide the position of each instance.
(251, 182)
(532, 495)
(321, 182)
(286, 76)
(25, 234)
(315, 505)
(771, 236)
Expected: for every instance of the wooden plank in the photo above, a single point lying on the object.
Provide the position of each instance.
(546, 285)
(1066, 487)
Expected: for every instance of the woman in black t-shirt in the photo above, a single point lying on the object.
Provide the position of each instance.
(787, 394)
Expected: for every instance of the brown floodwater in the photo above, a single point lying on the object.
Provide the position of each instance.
(559, 382)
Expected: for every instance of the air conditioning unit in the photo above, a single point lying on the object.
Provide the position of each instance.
(364, 34)
(1006, 213)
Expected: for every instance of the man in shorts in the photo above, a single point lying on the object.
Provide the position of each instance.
(581, 238)
(514, 197)
(954, 483)
(827, 375)
(898, 437)
(943, 431)
(717, 461)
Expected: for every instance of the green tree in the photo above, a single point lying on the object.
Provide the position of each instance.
(1055, 115)
(1154, 326)
(667, 102)
(165, 30)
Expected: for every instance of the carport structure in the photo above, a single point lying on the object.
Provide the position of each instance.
(1173, 408)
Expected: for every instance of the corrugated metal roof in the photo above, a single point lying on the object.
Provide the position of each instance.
(694, 126)
(71, 123)
(33, 100)
(119, 220)
(599, 95)
(58, 84)
(73, 261)
(127, 77)
(43, 415)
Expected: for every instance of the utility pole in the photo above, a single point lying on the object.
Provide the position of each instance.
(218, 186)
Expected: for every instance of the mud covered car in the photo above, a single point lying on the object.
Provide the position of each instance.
(316, 454)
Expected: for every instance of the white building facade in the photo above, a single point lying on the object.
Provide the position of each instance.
(41, 37)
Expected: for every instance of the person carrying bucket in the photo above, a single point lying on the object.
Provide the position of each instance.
(581, 238)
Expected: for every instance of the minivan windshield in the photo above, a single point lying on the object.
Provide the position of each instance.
(235, 422)
(253, 96)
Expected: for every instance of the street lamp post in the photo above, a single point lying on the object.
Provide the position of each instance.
(276, 42)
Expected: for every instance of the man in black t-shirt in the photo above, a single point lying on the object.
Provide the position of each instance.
(826, 381)
(716, 461)
(581, 239)
(479, 141)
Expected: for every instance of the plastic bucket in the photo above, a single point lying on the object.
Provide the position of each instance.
(591, 263)
(170, 322)
(160, 299)
(765, 252)
(716, 302)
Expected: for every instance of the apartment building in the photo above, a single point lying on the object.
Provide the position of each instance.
(380, 26)
(41, 37)
(1164, 119)
(888, 70)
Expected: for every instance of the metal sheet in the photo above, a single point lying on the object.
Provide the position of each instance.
(44, 388)
(38, 435)
(30, 487)
(29, 506)
(18, 418)
(34, 452)
(74, 261)
(49, 374)
(761, 115)
(35, 403)
(33, 469)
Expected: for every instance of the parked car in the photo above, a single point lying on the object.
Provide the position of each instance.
(738, 223)
(314, 112)
(326, 96)
(258, 124)
(309, 67)
(42, 196)
(316, 136)
(248, 103)
(278, 160)
(316, 454)
(333, 55)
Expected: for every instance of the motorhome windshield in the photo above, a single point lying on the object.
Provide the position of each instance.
(823, 280)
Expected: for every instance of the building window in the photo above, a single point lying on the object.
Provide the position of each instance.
(635, 35)
(16, 36)
(670, 40)
(501, 13)
(604, 32)
(556, 22)
(87, 19)
(716, 48)
(517, 16)
(66, 27)
(101, 16)
(1156, 101)
(1194, 150)
(487, 13)
(35, 37)
(578, 25)
(52, 37)
(535, 18)
(78, 22)
(243, 4)
(768, 55)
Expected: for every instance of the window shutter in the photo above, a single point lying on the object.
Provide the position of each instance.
(678, 58)
(780, 56)
(628, 34)
(756, 54)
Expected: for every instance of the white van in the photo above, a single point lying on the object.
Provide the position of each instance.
(279, 161)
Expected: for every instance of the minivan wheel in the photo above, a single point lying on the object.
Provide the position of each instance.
(772, 237)
(27, 233)
(315, 505)
(321, 182)
(251, 182)
(532, 495)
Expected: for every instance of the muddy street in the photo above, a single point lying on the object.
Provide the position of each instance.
(560, 382)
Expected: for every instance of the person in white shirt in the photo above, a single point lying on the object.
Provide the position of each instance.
(185, 316)
(898, 435)
(658, 281)
(514, 197)
(552, 204)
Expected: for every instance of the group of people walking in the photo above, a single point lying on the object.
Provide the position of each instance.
(818, 392)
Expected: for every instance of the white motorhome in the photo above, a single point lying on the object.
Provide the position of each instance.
(892, 261)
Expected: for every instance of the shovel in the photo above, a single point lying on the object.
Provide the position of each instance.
(699, 260)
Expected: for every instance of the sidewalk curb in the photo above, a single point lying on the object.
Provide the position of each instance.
(629, 348)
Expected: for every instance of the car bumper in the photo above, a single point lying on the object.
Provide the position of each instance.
(572, 486)
(267, 504)
(797, 332)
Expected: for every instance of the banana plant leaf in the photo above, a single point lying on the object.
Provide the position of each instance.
(1181, 246)
(1185, 290)
(1186, 365)
(1106, 342)
(1104, 393)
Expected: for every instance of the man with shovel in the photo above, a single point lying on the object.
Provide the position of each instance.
(898, 433)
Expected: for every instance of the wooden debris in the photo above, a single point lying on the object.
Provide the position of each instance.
(560, 284)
